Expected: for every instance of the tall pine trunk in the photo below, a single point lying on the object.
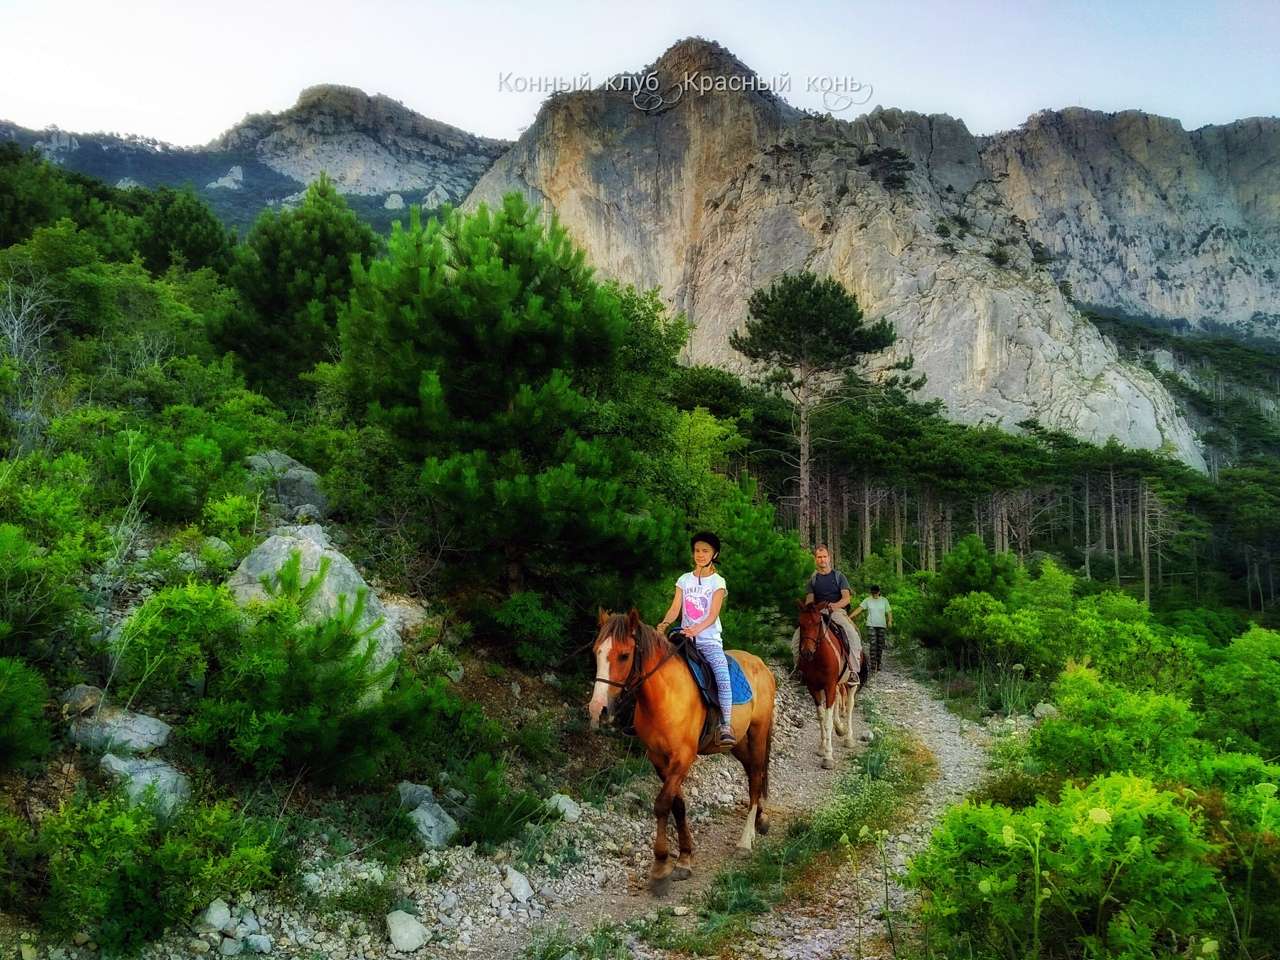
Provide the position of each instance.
(806, 529)
(1115, 535)
(1088, 540)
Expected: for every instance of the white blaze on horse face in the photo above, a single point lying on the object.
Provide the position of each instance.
(600, 692)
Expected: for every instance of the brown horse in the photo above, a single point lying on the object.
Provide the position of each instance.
(636, 665)
(832, 680)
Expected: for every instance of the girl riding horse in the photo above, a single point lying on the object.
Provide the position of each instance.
(636, 666)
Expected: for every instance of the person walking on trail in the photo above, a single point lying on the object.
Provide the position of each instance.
(879, 619)
(831, 587)
(699, 596)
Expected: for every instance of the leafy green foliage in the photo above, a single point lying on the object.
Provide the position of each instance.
(289, 694)
(19, 862)
(24, 732)
(166, 646)
(1102, 727)
(803, 324)
(126, 875)
(539, 627)
(179, 228)
(1118, 868)
(517, 464)
(35, 595)
(1239, 689)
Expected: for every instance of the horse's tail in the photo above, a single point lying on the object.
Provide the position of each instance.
(864, 668)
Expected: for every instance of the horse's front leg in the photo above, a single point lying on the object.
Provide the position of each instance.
(672, 779)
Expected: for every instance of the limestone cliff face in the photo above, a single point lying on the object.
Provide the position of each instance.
(367, 145)
(1145, 218)
(720, 192)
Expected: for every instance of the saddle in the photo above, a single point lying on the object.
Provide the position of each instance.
(705, 679)
(846, 647)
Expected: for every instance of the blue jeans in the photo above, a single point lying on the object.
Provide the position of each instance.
(713, 650)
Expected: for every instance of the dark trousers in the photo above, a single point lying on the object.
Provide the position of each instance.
(875, 645)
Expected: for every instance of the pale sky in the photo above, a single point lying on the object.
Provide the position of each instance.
(185, 72)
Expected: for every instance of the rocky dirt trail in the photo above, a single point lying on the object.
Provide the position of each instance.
(847, 917)
(594, 869)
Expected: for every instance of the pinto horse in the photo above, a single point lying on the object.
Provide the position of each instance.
(830, 677)
(637, 667)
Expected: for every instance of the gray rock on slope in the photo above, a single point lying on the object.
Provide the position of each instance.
(338, 592)
(292, 484)
(110, 728)
(436, 828)
(172, 788)
(406, 932)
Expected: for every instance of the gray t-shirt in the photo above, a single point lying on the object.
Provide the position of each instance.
(826, 587)
(877, 608)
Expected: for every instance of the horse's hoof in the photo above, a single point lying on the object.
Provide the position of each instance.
(681, 873)
(762, 824)
(660, 886)
(828, 763)
(741, 852)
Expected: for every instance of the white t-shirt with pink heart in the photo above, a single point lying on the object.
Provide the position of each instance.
(697, 593)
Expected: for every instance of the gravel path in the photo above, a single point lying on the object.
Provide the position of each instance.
(847, 918)
(595, 869)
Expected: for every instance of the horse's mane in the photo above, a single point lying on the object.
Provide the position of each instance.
(648, 640)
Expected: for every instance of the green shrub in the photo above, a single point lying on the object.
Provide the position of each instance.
(125, 875)
(166, 646)
(1238, 692)
(538, 626)
(19, 862)
(232, 517)
(1118, 869)
(24, 732)
(291, 695)
(36, 597)
(497, 812)
(1102, 727)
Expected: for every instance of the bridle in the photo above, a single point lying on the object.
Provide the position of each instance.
(630, 687)
(824, 633)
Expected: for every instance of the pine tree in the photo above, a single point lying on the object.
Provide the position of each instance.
(808, 331)
(292, 272)
(479, 342)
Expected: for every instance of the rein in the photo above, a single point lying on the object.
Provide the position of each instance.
(627, 689)
(824, 633)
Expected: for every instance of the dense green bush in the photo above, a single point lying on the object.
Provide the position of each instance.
(1118, 869)
(1239, 689)
(19, 862)
(1102, 727)
(35, 596)
(124, 875)
(288, 694)
(24, 732)
(165, 647)
(539, 627)
(293, 272)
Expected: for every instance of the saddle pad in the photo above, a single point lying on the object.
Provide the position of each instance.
(706, 682)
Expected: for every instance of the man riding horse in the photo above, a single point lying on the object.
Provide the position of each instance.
(830, 588)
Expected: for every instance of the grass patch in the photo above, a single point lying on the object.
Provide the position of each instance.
(893, 767)
(606, 941)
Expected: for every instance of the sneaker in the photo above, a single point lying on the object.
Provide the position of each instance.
(727, 739)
